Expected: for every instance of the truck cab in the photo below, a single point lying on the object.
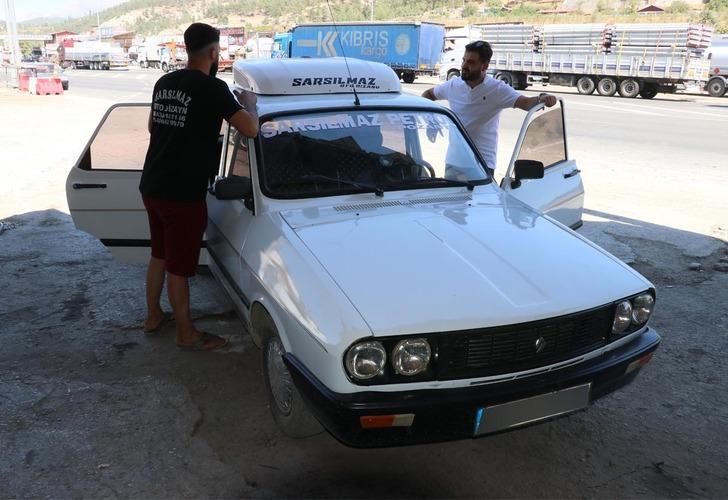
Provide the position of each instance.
(718, 81)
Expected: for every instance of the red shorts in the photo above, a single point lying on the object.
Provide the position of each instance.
(177, 229)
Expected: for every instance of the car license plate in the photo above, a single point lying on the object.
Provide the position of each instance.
(524, 411)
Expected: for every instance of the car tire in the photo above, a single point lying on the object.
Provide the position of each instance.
(607, 87)
(408, 77)
(286, 404)
(453, 73)
(629, 88)
(716, 87)
(64, 85)
(649, 91)
(586, 85)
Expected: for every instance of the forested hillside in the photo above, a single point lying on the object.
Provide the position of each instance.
(156, 16)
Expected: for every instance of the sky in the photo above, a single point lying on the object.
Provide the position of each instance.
(29, 9)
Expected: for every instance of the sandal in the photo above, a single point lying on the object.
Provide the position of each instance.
(166, 318)
(206, 342)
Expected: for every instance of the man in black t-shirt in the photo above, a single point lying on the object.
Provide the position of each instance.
(188, 107)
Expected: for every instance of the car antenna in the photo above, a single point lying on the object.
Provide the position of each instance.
(351, 79)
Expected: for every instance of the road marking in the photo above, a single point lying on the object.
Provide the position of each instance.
(611, 108)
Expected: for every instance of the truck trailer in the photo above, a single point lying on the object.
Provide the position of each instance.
(410, 49)
(629, 59)
(93, 55)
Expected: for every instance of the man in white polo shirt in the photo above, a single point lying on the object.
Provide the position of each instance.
(477, 99)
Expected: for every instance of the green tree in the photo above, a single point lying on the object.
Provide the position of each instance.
(678, 7)
(602, 7)
(718, 5)
(469, 11)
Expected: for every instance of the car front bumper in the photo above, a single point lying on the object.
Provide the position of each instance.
(434, 415)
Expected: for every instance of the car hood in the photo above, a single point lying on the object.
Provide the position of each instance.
(423, 269)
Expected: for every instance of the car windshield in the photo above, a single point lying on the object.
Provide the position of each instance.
(326, 154)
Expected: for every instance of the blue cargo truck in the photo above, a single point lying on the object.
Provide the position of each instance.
(410, 49)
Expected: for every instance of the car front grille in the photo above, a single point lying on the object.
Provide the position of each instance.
(513, 348)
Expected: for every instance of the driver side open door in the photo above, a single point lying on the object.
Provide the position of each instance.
(560, 194)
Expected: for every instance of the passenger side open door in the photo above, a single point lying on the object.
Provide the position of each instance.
(560, 193)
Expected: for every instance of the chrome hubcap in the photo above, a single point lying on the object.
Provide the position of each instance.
(281, 384)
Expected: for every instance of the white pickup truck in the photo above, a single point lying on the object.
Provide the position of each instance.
(398, 294)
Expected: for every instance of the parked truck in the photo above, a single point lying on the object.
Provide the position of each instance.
(166, 54)
(92, 55)
(718, 56)
(410, 49)
(629, 59)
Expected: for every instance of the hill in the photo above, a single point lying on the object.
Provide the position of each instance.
(147, 17)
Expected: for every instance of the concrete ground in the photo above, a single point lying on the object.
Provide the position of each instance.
(91, 407)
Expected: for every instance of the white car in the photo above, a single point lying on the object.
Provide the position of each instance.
(399, 295)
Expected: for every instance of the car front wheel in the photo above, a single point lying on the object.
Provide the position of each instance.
(289, 410)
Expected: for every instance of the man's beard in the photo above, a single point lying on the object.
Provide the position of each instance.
(213, 69)
(469, 76)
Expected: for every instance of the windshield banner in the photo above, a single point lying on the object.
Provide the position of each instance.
(400, 120)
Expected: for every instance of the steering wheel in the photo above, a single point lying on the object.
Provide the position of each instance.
(398, 167)
(426, 166)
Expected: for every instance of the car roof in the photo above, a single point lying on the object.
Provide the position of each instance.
(268, 105)
(314, 76)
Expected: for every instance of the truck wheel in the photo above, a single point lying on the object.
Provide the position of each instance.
(505, 77)
(143, 64)
(607, 87)
(453, 73)
(716, 87)
(585, 85)
(289, 410)
(649, 90)
(165, 68)
(408, 77)
(521, 82)
(629, 88)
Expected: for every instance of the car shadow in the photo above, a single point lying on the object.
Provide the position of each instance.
(96, 407)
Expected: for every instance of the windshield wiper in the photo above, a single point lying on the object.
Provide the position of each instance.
(377, 190)
(440, 180)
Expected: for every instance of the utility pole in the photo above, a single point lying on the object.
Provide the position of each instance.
(371, 10)
(98, 25)
(12, 28)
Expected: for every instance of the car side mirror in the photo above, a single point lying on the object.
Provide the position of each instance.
(526, 169)
(233, 188)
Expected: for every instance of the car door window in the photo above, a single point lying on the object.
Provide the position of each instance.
(238, 160)
(122, 140)
(544, 140)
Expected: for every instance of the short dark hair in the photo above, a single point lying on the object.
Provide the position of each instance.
(485, 52)
(200, 35)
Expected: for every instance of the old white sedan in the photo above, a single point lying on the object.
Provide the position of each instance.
(399, 295)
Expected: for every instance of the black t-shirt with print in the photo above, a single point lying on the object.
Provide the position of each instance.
(188, 107)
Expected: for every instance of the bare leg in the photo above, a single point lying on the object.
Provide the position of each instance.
(178, 290)
(155, 283)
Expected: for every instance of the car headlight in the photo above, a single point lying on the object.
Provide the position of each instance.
(411, 356)
(622, 317)
(642, 307)
(366, 360)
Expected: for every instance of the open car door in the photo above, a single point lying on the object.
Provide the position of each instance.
(102, 188)
(560, 194)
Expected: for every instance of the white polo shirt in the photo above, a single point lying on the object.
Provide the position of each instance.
(479, 109)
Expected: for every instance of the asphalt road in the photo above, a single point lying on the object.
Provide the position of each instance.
(91, 407)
